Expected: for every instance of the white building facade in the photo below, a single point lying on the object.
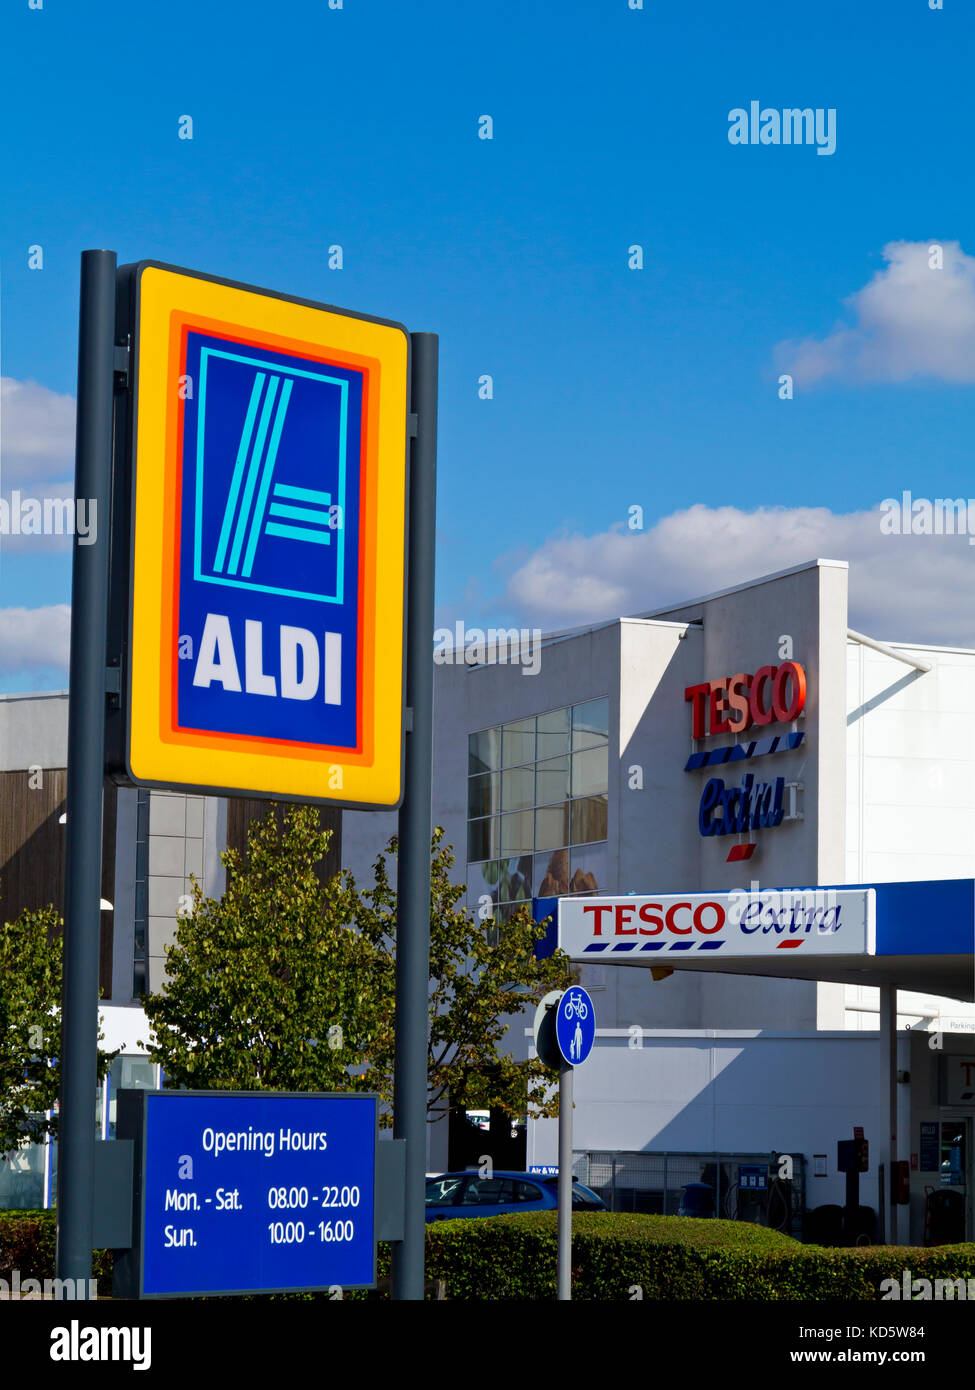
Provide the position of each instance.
(576, 780)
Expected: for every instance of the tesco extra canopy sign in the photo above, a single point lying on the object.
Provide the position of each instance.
(814, 921)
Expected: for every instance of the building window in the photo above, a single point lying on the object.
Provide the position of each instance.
(537, 808)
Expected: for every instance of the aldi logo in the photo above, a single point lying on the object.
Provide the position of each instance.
(272, 507)
(269, 521)
(260, 495)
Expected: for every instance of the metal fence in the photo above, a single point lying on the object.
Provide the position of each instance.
(744, 1186)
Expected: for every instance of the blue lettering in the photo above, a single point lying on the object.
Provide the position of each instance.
(751, 806)
(709, 798)
(755, 908)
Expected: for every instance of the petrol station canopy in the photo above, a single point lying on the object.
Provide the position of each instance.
(916, 936)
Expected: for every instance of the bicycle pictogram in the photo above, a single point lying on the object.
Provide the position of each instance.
(575, 1006)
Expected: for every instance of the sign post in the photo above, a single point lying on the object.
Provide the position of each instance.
(413, 866)
(565, 1031)
(86, 735)
(238, 624)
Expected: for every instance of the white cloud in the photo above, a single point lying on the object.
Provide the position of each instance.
(36, 434)
(907, 588)
(34, 639)
(910, 320)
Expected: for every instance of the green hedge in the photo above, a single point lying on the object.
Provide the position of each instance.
(27, 1242)
(617, 1256)
(623, 1256)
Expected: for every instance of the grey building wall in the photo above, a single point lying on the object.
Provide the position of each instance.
(644, 666)
(34, 730)
(176, 850)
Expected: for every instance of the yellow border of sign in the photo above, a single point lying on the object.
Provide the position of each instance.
(166, 301)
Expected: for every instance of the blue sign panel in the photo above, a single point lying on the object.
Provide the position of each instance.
(753, 1176)
(272, 507)
(257, 1193)
(575, 1025)
(930, 1150)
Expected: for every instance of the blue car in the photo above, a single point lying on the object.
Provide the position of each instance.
(467, 1194)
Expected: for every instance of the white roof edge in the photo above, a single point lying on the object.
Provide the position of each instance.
(36, 695)
(682, 623)
(749, 584)
(652, 616)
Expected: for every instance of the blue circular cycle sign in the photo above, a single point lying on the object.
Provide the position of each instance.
(575, 1025)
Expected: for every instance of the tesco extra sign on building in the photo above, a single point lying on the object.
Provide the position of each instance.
(813, 921)
(732, 706)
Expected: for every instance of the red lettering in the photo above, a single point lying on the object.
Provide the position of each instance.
(760, 715)
(597, 908)
(697, 694)
(648, 913)
(968, 1071)
(734, 704)
(620, 919)
(717, 707)
(680, 931)
(782, 711)
(699, 915)
(738, 701)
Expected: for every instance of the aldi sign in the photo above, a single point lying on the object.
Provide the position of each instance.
(824, 921)
(268, 450)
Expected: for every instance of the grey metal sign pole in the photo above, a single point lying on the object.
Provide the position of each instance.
(413, 872)
(86, 758)
(565, 1182)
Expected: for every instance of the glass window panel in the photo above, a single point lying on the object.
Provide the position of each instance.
(551, 781)
(589, 817)
(588, 870)
(524, 1191)
(516, 832)
(518, 789)
(552, 826)
(553, 733)
(515, 880)
(590, 723)
(482, 839)
(590, 772)
(552, 874)
(133, 1073)
(482, 795)
(443, 1192)
(518, 743)
(482, 881)
(484, 751)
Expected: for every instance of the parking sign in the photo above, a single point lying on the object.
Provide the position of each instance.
(268, 449)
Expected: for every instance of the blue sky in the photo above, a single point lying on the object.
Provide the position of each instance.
(612, 387)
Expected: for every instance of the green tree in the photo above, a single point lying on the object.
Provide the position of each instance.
(269, 988)
(30, 1028)
(482, 979)
(286, 983)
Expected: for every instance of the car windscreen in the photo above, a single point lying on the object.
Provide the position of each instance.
(442, 1192)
